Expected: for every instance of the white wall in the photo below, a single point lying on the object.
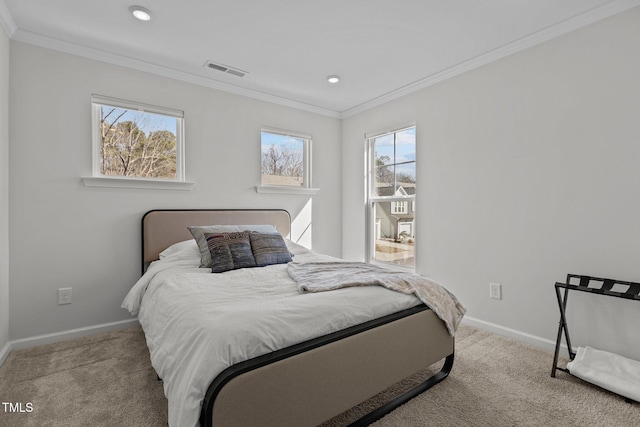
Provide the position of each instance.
(4, 190)
(528, 170)
(64, 234)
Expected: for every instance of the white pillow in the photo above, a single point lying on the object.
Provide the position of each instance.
(182, 250)
(295, 248)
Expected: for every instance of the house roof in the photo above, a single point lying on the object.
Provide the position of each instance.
(389, 191)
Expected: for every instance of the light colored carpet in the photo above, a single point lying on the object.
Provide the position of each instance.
(107, 380)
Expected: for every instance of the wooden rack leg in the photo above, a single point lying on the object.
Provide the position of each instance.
(562, 305)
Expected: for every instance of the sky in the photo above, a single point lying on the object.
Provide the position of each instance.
(147, 122)
(405, 146)
(269, 139)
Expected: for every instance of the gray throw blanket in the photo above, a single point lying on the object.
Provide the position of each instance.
(326, 276)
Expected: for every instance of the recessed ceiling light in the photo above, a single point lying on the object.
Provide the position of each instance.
(333, 79)
(140, 13)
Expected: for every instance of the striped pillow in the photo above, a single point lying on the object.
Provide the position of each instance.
(198, 232)
(269, 248)
(230, 251)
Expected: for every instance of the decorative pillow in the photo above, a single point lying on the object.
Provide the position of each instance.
(198, 233)
(230, 251)
(269, 248)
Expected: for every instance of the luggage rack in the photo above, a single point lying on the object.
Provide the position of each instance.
(594, 285)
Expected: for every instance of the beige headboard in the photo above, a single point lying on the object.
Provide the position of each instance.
(162, 228)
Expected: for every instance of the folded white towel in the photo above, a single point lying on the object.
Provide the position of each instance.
(607, 370)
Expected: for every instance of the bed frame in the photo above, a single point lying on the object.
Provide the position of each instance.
(311, 382)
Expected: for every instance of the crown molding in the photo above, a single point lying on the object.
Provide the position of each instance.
(136, 64)
(6, 20)
(571, 24)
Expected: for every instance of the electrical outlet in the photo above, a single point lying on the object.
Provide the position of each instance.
(495, 291)
(64, 296)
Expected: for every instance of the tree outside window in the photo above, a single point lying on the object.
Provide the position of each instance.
(135, 141)
(284, 159)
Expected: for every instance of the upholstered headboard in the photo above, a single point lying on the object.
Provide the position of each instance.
(162, 228)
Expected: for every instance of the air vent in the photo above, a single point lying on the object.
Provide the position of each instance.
(225, 69)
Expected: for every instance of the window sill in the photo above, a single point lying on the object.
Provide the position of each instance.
(152, 184)
(274, 189)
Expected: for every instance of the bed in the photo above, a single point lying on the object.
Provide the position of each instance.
(299, 381)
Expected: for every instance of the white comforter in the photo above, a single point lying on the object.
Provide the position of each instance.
(197, 323)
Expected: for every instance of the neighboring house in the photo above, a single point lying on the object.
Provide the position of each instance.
(395, 217)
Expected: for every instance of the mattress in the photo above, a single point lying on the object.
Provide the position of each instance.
(198, 323)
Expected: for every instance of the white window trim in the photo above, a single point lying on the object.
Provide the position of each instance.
(129, 182)
(371, 200)
(99, 180)
(307, 188)
(283, 189)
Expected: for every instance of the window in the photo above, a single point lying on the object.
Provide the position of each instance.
(391, 196)
(285, 162)
(399, 207)
(137, 141)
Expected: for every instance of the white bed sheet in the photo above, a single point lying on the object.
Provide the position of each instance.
(197, 323)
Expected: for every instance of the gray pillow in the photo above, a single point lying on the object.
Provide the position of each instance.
(269, 249)
(230, 251)
(198, 233)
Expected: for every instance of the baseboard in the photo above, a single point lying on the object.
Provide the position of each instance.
(106, 327)
(70, 334)
(514, 334)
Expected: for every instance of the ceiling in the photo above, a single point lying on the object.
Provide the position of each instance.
(381, 49)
